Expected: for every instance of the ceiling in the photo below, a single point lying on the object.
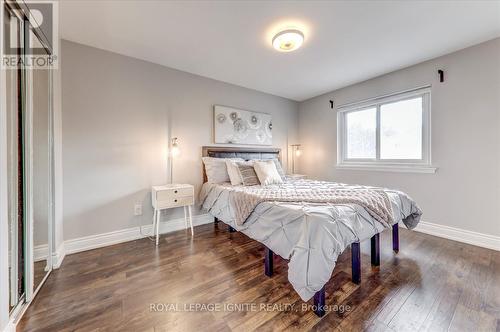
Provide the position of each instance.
(345, 41)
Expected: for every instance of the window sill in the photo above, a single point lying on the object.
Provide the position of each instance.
(388, 168)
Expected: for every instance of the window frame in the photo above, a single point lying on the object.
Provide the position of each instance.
(422, 165)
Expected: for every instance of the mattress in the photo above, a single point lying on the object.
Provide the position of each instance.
(310, 235)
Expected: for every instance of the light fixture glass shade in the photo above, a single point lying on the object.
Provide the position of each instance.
(174, 150)
(296, 152)
(288, 40)
(173, 153)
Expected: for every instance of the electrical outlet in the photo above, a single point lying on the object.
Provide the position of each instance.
(138, 209)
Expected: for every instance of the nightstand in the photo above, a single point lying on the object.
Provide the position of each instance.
(296, 176)
(172, 196)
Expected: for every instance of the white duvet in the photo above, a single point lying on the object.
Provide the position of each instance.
(310, 235)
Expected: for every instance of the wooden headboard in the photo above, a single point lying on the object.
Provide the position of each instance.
(239, 152)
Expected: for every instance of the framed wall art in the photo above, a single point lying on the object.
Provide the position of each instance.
(236, 126)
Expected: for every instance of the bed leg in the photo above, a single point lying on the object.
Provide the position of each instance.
(231, 230)
(356, 263)
(395, 238)
(319, 302)
(268, 262)
(216, 220)
(375, 245)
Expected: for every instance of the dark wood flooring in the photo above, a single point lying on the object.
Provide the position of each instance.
(432, 284)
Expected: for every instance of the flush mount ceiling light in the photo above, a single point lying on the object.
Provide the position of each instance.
(288, 40)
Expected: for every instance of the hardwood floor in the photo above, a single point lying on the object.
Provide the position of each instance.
(432, 284)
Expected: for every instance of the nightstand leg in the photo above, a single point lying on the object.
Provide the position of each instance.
(158, 214)
(185, 216)
(191, 220)
(153, 230)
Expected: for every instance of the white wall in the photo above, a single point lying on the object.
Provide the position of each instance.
(117, 112)
(465, 191)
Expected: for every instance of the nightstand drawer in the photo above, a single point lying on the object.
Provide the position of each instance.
(170, 202)
(167, 195)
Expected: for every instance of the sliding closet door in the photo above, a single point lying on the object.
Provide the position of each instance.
(15, 92)
(39, 97)
(30, 160)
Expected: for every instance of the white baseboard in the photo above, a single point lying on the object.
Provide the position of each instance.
(101, 240)
(106, 239)
(460, 235)
(58, 256)
(40, 253)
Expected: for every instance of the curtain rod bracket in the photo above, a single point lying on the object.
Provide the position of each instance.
(441, 75)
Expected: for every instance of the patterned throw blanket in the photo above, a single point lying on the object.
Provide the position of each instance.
(374, 200)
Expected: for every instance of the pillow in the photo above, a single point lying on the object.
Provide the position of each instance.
(247, 174)
(279, 168)
(216, 169)
(267, 172)
(234, 173)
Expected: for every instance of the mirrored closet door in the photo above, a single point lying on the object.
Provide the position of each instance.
(30, 160)
(13, 30)
(41, 169)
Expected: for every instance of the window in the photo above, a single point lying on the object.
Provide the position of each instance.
(386, 133)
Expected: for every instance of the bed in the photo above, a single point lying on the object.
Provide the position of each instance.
(310, 233)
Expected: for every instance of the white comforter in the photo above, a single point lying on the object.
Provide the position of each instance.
(310, 235)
